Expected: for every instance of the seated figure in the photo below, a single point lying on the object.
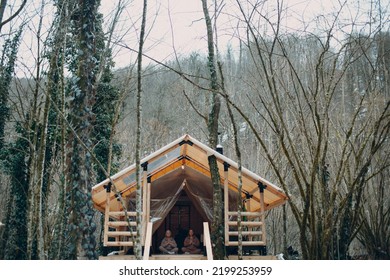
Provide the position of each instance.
(191, 244)
(168, 244)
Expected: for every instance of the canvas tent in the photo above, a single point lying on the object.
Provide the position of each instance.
(182, 166)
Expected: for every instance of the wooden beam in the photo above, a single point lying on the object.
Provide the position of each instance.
(120, 243)
(248, 208)
(121, 223)
(106, 215)
(226, 201)
(122, 213)
(262, 217)
(144, 203)
(247, 243)
(245, 223)
(148, 197)
(247, 214)
(148, 241)
(247, 233)
(207, 240)
(120, 233)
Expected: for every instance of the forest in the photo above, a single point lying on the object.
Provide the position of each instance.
(305, 106)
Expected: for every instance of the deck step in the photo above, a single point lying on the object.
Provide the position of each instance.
(178, 257)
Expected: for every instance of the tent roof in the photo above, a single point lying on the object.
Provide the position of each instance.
(189, 158)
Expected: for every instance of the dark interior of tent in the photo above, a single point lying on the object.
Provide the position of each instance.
(182, 216)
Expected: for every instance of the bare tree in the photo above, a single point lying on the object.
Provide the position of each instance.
(137, 246)
(3, 6)
(217, 227)
(299, 104)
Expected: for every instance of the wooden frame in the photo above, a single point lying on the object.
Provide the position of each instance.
(207, 241)
(148, 240)
(192, 154)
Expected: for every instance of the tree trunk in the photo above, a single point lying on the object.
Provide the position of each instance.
(217, 227)
(138, 245)
(82, 226)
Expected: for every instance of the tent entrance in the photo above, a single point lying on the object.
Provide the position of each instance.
(182, 216)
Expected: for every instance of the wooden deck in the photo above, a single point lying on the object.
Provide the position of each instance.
(183, 257)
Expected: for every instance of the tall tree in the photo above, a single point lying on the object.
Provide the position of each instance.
(80, 171)
(217, 227)
(298, 99)
(14, 238)
(7, 67)
(138, 245)
(107, 111)
(13, 242)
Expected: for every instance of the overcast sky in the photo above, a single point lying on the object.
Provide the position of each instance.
(179, 24)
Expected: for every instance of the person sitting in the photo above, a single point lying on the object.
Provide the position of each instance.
(191, 244)
(168, 244)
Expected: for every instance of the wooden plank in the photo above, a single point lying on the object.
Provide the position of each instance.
(247, 243)
(121, 223)
(226, 203)
(245, 223)
(248, 209)
(120, 243)
(148, 201)
(247, 214)
(120, 233)
(106, 218)
(262, 217)
(178, 257)
(253, 257)
(122, 213)
(118, 257)
(207, 240)
(144, 205)
(247, 233)
(148, 240)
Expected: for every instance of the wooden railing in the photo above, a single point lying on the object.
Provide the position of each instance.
(207, 240)
(117, 226)
(253, 229)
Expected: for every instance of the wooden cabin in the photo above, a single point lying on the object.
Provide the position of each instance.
(177, 195)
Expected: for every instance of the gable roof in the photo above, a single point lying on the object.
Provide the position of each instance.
(187, 159)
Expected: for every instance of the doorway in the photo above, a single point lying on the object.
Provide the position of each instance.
(180, 218)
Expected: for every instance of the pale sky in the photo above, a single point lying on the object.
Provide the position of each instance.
(179, 24)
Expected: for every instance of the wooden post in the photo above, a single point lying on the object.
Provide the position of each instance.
(207, 241)
(148, 241)
(144, 200)
(248, 209)
(148, 194)
(262, 211)
(107, 213)
(226, 201)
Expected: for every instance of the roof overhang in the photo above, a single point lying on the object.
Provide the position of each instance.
(190, 157)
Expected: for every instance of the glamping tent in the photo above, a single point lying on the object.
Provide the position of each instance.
(177, 195)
